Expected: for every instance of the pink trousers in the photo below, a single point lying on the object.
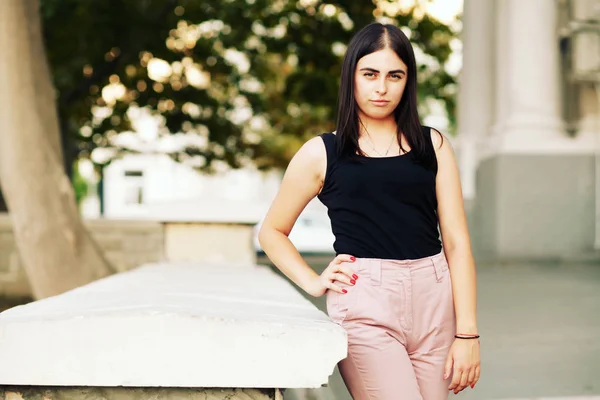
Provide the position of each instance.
(400, 323)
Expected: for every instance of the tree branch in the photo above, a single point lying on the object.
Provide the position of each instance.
(101, 74)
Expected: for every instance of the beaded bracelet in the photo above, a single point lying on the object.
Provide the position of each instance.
(460, 336)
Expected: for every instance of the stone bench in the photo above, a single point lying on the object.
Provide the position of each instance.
(170, 330)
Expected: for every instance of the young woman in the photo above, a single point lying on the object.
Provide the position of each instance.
(407, 304)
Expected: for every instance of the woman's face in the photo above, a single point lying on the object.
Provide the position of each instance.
(379, 82)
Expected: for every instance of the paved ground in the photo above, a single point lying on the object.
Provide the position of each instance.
(540, 327)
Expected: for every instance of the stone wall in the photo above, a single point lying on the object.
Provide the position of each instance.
(96, 393)
(126, 244)
(209, 242)
(129, 244)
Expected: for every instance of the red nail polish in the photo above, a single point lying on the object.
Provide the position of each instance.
(355, 276)
(344, 291)
(353, 258)
(352, 281)
(472, 386)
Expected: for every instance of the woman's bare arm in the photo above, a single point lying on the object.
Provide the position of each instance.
(463, 357)
(302, 181)
(455, 235)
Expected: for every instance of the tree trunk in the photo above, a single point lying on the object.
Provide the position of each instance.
(57, 251)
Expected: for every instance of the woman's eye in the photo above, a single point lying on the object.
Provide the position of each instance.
(395, 76)
(369, 74)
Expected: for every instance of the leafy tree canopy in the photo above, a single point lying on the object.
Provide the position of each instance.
(233, 81)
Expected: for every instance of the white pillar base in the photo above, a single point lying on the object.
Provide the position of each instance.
(536, 140)
(467, 163)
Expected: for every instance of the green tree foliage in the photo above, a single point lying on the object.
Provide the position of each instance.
(247, 80)
(80, 185)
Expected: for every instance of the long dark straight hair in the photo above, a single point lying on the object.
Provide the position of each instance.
(372, 38)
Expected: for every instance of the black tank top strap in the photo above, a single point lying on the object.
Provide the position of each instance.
(427, 134)
(329, 139)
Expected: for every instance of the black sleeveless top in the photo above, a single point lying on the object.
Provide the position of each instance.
(380, 207)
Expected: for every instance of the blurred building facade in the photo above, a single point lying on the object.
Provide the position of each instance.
(153, 185)
(529, 127)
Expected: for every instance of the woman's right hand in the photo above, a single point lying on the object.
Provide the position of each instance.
(336, 271)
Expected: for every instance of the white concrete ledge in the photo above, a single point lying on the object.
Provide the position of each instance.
(173, 325)
(558, 398)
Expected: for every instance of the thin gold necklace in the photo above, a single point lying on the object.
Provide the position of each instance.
(373, 145)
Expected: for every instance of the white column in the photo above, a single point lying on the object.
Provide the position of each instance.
(528, 108)
(533, 66)
(475, 96)
(528, 112)
(501, 63)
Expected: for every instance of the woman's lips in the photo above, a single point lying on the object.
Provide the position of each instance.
(380, 102)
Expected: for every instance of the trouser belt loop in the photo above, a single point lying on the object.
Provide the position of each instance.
(437, 267)
(375, 272)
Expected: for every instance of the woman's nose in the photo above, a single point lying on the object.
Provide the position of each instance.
(382, 87)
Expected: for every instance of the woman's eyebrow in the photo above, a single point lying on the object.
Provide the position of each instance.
(396, 71)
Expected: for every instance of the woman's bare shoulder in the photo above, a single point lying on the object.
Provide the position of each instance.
(313, 149)
(311, 158)
(437, 138)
